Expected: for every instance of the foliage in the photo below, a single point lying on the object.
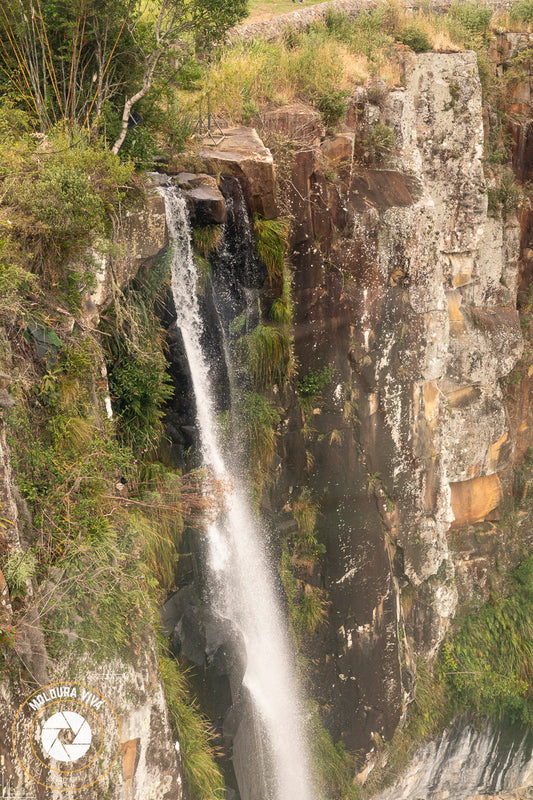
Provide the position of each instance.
(271, 242)
(311, 385)
(259, 420)
(138, 378)
(430, 711)
(488, 664)
(204, 779)
(207, 239)
(332, 106)
(521, 11)
(372, 147)
(56, 196)
(306, 603)
(414, 37)
(333, 765)
(504, 198)
(68, 62)
(473, 18)
(305, 544)
(266, 354)
(281, 311)
(18, 568)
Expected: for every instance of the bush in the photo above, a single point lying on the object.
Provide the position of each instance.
(332, 106)
(18, 568)
(414, 37)
(488, 664)
(138, 379)
(521, 11)
(474, 19)
(259, 420)
(207, 239)
(504, 198)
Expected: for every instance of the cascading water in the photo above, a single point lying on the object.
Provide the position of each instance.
(242, 585)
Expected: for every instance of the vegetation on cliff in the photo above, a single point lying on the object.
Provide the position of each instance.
(87, 65)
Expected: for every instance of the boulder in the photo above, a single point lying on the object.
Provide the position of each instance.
(243, 155)
(296, 121)
(207, 205)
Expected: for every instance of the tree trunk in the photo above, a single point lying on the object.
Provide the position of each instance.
(130, 101)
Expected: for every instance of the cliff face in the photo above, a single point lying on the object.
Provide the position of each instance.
(406, 286)
(147, 764)
(465, 762)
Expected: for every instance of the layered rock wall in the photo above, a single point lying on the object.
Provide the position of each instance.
(406, 287)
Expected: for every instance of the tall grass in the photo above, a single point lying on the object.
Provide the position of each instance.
(271, 242)
(204, 779)
(259, 420)
(266, 354)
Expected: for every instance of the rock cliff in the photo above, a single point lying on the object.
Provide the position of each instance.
(147, 763)
(407, 286)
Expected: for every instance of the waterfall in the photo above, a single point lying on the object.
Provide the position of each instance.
(241, 581)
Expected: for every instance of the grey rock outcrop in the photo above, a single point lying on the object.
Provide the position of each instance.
(466, 763)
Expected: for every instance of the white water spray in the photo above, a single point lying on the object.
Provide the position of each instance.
(242, 583)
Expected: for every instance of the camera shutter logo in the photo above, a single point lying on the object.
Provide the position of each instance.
(66, 736)
(66, 721)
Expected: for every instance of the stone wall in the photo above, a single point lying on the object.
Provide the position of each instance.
(300, 19)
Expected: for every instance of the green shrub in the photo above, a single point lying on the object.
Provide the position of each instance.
(258, 421)
(281, 310)
(521, 11)
(18, 568)
(488, 664)
(380, 140)
(310, 386)
(414, 37)
(306, 604)
(332, 106)
(474, 19)
(505, 197)
(207, 239)
(138, 379)
(315, 380)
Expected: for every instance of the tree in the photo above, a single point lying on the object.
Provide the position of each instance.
(67, 60)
